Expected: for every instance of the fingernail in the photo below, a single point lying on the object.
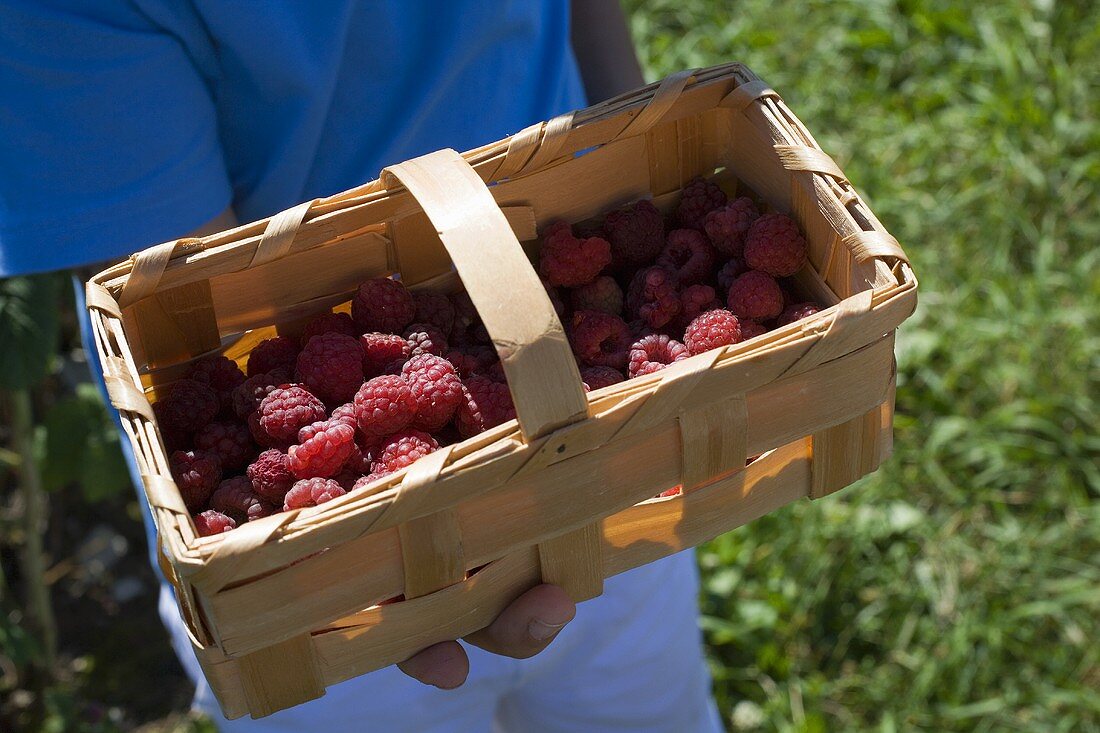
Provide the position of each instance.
(541, 631)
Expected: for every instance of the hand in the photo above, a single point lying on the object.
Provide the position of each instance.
(522, 630)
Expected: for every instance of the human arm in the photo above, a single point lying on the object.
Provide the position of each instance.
(604, 49)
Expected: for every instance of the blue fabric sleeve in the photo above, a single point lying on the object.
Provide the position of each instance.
(108, 136)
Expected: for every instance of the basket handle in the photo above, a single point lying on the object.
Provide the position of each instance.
(538, 361)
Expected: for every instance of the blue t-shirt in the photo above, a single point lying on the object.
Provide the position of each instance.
(127, 123)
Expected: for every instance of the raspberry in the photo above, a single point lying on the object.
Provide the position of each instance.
(602, 294)
(382, 305)
(730, 271)
(197, 474)
(322, 449)
(329, 323)
(471, 359)
(435, 387)
(174, 439)
(566, 260)
(653, 353)
(710, 330)
(652, 296)
(752, 329)
(383, 406)
(221, 374)
(796, 312)
(486, 404)
(636, 234)
(270, 477)
(674, 491)
(311, 492)
(188, 406)
(401, 450)
(755, 296)
(598, 377)
(270, 354)
(236, 499)
(229, 441)
(600, 339)
(688, 255)
(555, 298)
(331, 367)
(694, 301)
(424, 338)
(211, 522)
(382, 349)
(699, 198)
(345, 413)
(249, 393)
(434, 308)
(286, 411)
(468, 328)
(775, 246)
(726, 227)
(449, 434)
(364, 481)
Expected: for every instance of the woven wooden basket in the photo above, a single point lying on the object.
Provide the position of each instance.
(284, 606)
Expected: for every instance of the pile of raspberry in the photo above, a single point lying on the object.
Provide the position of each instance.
(354, 396)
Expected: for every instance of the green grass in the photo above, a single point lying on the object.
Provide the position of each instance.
(958, 589)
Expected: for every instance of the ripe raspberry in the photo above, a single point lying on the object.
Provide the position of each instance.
(287, 410)
(700, 197)
(435, 387)
(383, 406)
(566, 260)
(401, 450)
(652, 296)
(775, 246)
(424, 338)
(449, 434)
(173, 438)
(280, 352)
(236, 499)
(188, 406)
(796, 312)
(752, 329)
(694, 301)
(486, 404)
(221, 374)
(602, 294)
(468, 328)
(471, 359)
(654, 353)
(382, 305)
(211, 522)
(345, 413)
(755, 296)
(689, 256)
(322, 449)
(495, 372)
(249, 393)
(636, 234)
(730, 271)
(600, 339)
(360, 460)
(364, 481)
(311, 492)
(270, 477)
(230, 441)
(197, 474)
(712, 329)
(382, 349)
(434, 308)
(331, 367)
(726, 227)
(555, 298)
(329, 323)
(598, 377)
(674, 491)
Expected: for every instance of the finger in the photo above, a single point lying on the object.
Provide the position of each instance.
(529, 624)
(443, 665)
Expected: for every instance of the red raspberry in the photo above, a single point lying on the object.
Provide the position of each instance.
(230, 441)
(364, 481)
(222, 375)
(211, 522)
(602, 294)
(236, 499)
(322, 449)
(249, 393)
(383, 305)
(280, 352)
(699, 198)
(311, 492)
(270, 477)
(345, 413)
(755, 296)
(401, 450)
(471, 359)
(752, 329)
(712, 329)
(555, 298)
(197, 474)
(468, 328)
(435, 387)
(636, 234)
(796, 312)
(654, 353)
(188, 406)
(329, 323)
(600, 339)
(381, 350)
(486, 404)
(694, 301)
(730, 271)
(434, 308)
(726, 227)
(174, 439)
(495, 372)
(775, 246)
(383, 406)
(566, 260)
(359, 461)
(652, 296)
(331, 367)
(286, 411)
(598, 377)
(689, 256)
(424, 338)
(674, 491)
